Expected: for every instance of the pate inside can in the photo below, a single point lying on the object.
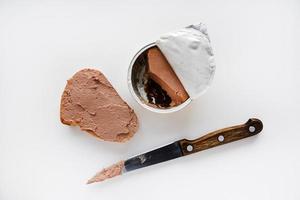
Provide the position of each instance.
(137, 79)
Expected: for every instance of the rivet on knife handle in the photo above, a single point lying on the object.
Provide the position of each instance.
(252, 127)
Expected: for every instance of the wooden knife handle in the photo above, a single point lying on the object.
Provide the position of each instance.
(251, 127)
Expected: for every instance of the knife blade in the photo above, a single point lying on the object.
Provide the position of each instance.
(181, 148)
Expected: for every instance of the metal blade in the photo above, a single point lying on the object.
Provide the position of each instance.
(159, 155)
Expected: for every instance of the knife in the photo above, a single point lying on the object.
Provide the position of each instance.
(181, 148)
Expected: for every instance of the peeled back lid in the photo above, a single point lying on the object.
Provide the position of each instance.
(189, 53)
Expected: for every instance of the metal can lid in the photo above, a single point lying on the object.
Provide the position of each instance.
(190, 54)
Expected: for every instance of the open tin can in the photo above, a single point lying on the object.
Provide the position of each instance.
(186, 56)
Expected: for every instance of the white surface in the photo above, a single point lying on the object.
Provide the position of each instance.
(189, 52)
(257, 47)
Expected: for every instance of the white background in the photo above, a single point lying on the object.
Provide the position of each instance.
(43, 43)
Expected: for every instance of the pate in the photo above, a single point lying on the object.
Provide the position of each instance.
(106, 173)
(90, 102)
(160, 71)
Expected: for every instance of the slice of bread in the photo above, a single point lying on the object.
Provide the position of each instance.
(90, 102)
